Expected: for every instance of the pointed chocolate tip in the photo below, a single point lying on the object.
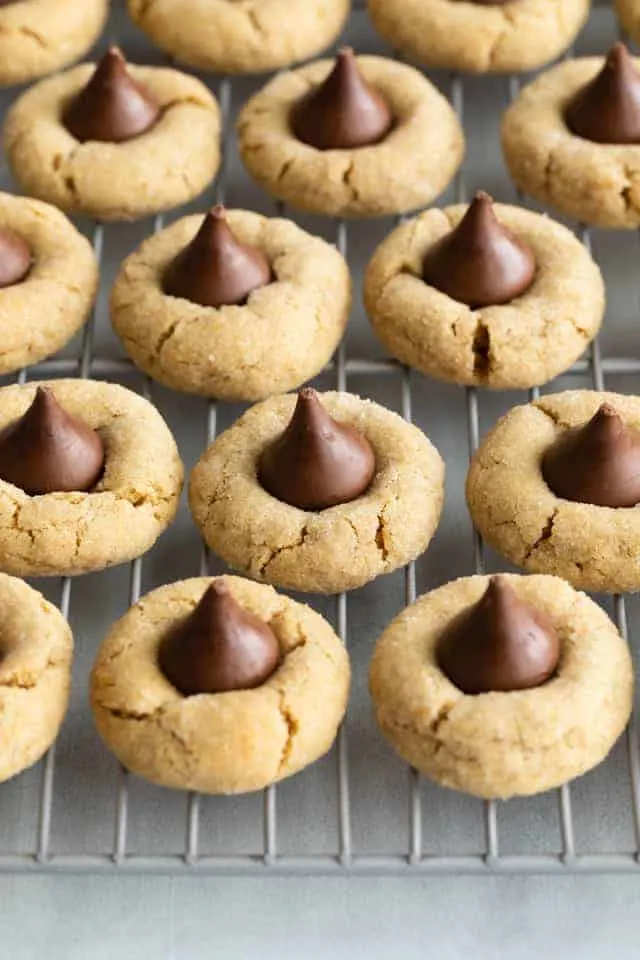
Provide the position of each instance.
(215, 269)
(480, 262)
(344, 112)
(316, 462)
(49, 451)
(499, 644)
(596, 463)
(112, 107)
(219, 648)
(607, 109)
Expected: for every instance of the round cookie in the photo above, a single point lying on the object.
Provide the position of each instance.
(283, 335)
(39, 315)
(35, 675)
(596, 183)
(503, 744)
(168, 165)
(122, 516)
(477, 37)
(40, 36)
(593, 547)
(231, 742)
(341, 547)
(516, 345)
(228, 37)
(629, 16)
(407, 169)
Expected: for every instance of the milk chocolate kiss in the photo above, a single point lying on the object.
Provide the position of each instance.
(113, 107)
(607, 110)
(316, 463)
(220, 647)
(344, 112)
(49, 451)
(215, 269)
(480, 262)
(501, 643)
(15, 257)
(598, 463)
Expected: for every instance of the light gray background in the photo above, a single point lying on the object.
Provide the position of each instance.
(182, 917)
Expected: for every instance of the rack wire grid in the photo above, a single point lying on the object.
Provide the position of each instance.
(359, 810)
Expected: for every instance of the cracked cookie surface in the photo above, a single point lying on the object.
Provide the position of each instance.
(225, 742)
(510, 37)
(283, 335)
(596, 183)
(240, 36)
(518, 345)
(59, 534)
(41, 314)
(35, 675)
(40, 36)
(503, 744)
(168, 165)
(342, 547)
(594, 548)
(408, 169)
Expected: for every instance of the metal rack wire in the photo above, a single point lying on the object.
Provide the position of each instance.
(414, 860)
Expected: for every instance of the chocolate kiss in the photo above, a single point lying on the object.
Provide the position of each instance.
(113, 107)
(500, 643)
(607, 110)
(215, 269)
(597, 463)
(480, 262)
(344, 112)
(316, 463)
(220, 647)
(49, 451)
(15, 257)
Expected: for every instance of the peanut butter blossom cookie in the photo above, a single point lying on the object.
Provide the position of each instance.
(352, 137)
(48, 281)
(572, 139)
(114, 141)
(220, 686)
(40, 36)
(480, 36)
(489, 295)
(235, 306)
(89, 477)
(319, 493)
(35, 675)
(230, 37)
(555, 485)
(502, 686)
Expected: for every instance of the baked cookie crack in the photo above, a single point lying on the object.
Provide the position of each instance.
(278, 551)
(545, 535)
(481, 347)
(292, 729)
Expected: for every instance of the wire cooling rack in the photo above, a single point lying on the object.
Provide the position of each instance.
(360, 810)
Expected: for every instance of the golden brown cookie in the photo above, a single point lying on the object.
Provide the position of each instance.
(40, 36)
(230, 742)
(168, 165)
(480, 37)
(517, 345)
(406, 170)
(283, 335)
(503, 744)
(230, 37)
(593, 547)
(629, 16)
(122, 516)
(40, 314)
(35, 675)
(596, 183)
(339, 548)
